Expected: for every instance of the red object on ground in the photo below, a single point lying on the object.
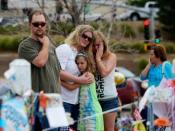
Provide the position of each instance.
(129, 93)
(162, 122)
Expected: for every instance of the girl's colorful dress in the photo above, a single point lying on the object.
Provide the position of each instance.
(89, 106)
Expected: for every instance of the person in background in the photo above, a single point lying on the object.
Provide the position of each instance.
(153, 72)
(105, 62)
(77, 41)
(40, 52)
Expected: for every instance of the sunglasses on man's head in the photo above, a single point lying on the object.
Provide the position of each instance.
(86, 37)
(37, 24)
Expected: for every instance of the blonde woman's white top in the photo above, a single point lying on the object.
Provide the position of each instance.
(66, 55)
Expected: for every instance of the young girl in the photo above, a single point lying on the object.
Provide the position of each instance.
(88, 102)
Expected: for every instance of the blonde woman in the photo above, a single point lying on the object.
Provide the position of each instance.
(105, 62)
(77, 41)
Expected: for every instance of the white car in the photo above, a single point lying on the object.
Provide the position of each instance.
(65, 17)
(88, 17)
(91, 16)
(137, 13)
(1, 19)
(8, 22)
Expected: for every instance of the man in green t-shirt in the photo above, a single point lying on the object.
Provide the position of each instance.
(40, 52)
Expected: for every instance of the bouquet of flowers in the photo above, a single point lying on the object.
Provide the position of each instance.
(125, 123)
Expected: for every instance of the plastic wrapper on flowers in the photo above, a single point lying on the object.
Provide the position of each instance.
(15, 110)
(5, 90)
(161, 95)
(162, 99)
(156, 94)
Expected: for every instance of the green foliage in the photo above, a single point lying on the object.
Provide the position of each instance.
(141, 29)
(170, 48)
(127, 30)
(13, 30)
(58, 39)
(7, 30)
(116, 47)
(95, 25)
(104, 26)
(3, 30)
(63, 28)
(9, 43)
(115, 28)
(139, 47)
(142, 64)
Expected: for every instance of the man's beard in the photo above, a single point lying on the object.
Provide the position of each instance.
(39, 33)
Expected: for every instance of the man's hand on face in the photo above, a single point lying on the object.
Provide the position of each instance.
(44, 40)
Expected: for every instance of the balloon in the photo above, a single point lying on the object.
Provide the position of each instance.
(119, 78)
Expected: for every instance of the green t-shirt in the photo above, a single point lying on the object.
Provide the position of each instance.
(45, 78)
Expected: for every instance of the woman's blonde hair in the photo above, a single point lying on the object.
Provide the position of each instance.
(74, 37)
(106, 52)
(100, 35)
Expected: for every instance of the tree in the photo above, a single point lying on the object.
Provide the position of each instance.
(4, 5)
(74, 8)
(59, 7)
(166, 16)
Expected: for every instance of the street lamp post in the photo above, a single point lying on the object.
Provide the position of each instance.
(86, 9)
(43, 4)
(84, 12)
(0, 5)
(152, 23)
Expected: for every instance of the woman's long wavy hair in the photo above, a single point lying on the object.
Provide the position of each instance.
(98, 35)
(74, 37)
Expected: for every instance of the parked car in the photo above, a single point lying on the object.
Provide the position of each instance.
(88, 17)
(8, 21)
(129, 90)
(91, 16)
(138, 12)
